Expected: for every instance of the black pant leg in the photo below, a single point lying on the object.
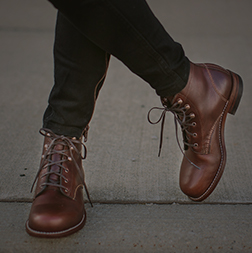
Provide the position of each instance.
(79, 68)
(129, 30)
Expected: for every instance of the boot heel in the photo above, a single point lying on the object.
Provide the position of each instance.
(236, 94)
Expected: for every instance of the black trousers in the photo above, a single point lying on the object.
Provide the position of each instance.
(87, 33)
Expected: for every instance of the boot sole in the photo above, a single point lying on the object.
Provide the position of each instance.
(56, 234)
(232, 106)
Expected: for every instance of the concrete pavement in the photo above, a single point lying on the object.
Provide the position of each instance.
(126, 169)
(138, 228)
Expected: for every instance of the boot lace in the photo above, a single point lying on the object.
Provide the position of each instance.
(47, 162)
(182, 118)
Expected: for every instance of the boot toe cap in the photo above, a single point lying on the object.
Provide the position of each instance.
(54, 223)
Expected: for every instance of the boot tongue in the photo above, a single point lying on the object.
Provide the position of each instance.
(54, 178)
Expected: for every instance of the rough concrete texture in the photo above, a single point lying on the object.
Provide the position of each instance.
(139, 228)
(122, 164)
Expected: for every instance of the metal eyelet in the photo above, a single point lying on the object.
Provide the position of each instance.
(69, 158)
(66, 170)
(42, 156)
(66, 181)
(195, 144)
(192, 115)
(74, 138)
(48, 134)
(194, 134)
(194, 124)
(72, 148)
(66, 190)
(187, 107)
(180, 101)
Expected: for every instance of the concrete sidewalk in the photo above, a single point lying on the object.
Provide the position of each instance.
(138, 228)
(122, 164)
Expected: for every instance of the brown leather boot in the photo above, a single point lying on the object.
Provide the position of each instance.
(201, 109)
(58, 207)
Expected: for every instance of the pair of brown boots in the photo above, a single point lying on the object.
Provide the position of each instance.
(200, 109)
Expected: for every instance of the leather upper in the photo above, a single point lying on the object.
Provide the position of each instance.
(211, 92)
(58, 206)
